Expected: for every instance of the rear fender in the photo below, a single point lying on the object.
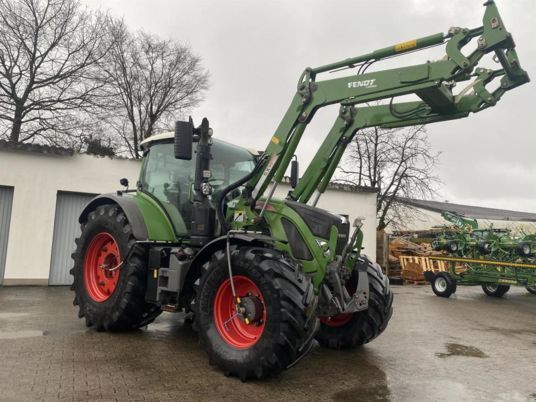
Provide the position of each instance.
(148, 221)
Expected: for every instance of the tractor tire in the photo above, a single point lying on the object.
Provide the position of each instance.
(531, 289)
(282, 312)
(443, 285)
(110, 300)
(346, 331)
(495, 290)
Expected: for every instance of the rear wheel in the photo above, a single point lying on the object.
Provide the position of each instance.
(269, 325)
(495, 290)
(531, 289)
(109, 292)
(443, 285)
(350, 330)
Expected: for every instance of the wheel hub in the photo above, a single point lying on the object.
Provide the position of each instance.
(250, 309)
(441, 284)
(240, 321)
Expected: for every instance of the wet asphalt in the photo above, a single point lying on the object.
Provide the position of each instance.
(467, 348)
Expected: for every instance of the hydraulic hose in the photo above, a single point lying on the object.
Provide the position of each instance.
(219, 211)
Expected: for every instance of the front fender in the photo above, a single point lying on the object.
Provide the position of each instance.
(220, 243)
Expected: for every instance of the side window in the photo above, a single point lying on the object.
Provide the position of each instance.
(240, 169)
(169, 180)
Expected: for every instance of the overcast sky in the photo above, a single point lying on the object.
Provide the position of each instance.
(255, 51)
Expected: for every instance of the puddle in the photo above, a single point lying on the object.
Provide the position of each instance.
(378, 392)
(7, 316)
(455, 349)
(158, 326)
(30, 333)
(512, 331)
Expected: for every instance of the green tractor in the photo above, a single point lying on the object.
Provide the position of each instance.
(262, 277)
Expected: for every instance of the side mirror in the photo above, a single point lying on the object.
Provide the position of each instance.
(294, 172)
(358, 222)
(184, 133)
(124, 182)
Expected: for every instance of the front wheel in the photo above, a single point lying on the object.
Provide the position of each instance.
(495, 290)
(269, 324)
(345, 331)
(443, 285)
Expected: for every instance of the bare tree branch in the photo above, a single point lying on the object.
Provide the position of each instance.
(49, 54)
(398, 162)
(151, 81)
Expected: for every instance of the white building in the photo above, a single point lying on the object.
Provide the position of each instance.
(43, 190)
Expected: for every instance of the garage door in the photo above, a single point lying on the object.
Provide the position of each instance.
(66, 229)
(6, 200)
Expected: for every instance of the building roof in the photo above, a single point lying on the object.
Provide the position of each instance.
(351, 188)
(471, 211)
(35, 148)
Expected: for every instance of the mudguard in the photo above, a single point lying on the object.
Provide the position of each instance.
(219, 243)
(148, 219)
(129, 207)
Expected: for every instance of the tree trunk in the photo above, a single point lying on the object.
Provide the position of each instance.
(135, 140)
(17, 124)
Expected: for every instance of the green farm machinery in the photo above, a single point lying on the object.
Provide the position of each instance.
(492, 258)
(260, 277)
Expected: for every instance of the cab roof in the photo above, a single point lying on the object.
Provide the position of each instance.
(158, 137)
(171, 135)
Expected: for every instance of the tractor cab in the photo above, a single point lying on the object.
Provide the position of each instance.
(170, 181)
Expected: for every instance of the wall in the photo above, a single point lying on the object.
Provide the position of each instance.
(37, 178)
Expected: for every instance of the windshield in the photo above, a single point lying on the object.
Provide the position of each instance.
(170, 180)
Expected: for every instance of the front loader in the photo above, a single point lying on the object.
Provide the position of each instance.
(263, 277)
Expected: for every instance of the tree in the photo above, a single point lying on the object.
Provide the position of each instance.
(95, 146)
(49, 52)
(398, 162)
(151, 81)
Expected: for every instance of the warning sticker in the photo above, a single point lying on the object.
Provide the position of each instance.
(402, 47)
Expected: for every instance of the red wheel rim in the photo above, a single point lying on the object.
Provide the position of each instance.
(234, 331)
(337, 320)
(101, 254)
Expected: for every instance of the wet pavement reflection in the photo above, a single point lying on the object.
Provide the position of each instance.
(466, 348)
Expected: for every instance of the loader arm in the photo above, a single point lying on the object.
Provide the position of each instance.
(432, 82)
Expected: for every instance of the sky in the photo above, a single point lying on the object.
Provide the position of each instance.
(256, 50)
